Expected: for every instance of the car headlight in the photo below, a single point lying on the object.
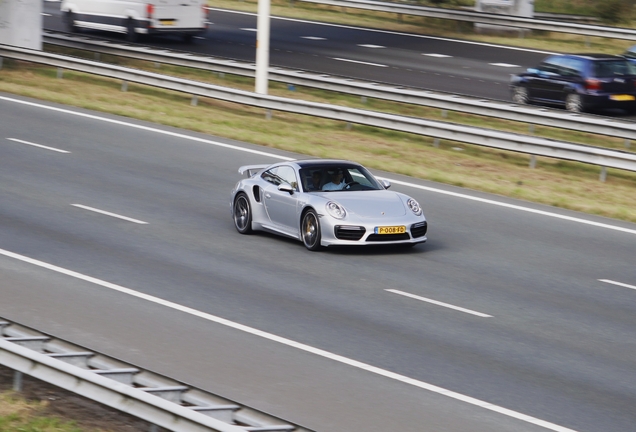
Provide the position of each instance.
(414, 206)
(336, 210)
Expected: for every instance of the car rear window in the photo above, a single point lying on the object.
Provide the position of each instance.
(609, 68)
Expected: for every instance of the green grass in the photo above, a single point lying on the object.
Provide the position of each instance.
(19, 415)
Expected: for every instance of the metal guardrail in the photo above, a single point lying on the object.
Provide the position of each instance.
(441, 130)
(453, 102)
(157, 399)
(485, 18)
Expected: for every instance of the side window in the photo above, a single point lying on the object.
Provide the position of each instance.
(271, 176)
(549, 65)
(287, 175)
(569, 67)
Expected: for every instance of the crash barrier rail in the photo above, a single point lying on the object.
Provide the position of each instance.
(532, 115)
(440, 130)
(485, 18)
(159, 400)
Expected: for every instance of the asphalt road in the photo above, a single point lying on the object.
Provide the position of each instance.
(528, 321)
(452, 66)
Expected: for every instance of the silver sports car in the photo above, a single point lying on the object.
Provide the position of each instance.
(324, 202)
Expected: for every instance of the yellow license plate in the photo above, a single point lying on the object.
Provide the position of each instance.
(622, 97)
(401, 229)
(167, 22)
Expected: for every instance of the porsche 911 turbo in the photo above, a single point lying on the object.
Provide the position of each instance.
(324, 202)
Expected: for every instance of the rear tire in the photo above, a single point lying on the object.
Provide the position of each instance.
(242, 214)
(131, 34)
(310, 230)
(69, 18)
(520, 96)
(574, 103)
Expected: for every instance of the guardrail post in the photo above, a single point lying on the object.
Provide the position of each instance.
(627, 141)
(153, 428)
(436, 142)
(60, 73)
(268, 114)
(533, 161)
(444, 113)
(17, 381)
(531, 129)
(603, 176)
(97, 56)
(124, 86)
(363, 99)
(195, 100)
(0, 62)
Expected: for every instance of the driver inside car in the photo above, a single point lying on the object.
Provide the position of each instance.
(337, 180)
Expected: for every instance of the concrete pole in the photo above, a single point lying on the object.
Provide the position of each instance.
(262, 46)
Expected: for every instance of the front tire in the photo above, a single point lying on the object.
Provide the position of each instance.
(574, 103)
(242, 214)
(310, 230)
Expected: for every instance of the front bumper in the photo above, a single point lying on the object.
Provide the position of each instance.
(345, 234)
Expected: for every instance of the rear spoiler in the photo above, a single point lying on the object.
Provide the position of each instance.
(250, 170)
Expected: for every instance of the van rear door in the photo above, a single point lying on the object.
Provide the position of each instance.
(177, 15)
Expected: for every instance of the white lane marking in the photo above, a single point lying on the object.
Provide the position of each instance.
(436, 55)
(506, 65)
(435, 302)
(249, 29)
(37, 145)
(294, 344)
(115, 215)
(370, 46)
(313, 38)
(618, 283)
(396, 33)
(359, 62)
(148, 129)
(279, 157)
(515, 207)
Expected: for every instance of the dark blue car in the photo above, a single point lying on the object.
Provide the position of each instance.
(578, 82)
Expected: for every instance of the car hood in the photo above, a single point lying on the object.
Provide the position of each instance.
(376, 203)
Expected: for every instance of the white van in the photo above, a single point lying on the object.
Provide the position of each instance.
(137, 17)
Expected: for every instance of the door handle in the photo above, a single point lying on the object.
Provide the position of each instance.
(267, 195)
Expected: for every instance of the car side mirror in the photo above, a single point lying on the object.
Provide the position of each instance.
(533, 71)
(286, 188)
(385, 183)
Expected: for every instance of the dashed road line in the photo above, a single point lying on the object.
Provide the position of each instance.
(624, 285)
(438, 303)
(115, 215)
(359, 62)
(38, 145)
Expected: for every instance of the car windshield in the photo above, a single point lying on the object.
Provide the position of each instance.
(609, 68)
(338, 178)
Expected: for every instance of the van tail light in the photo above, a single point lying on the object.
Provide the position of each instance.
(150, 10)
(592, 84)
